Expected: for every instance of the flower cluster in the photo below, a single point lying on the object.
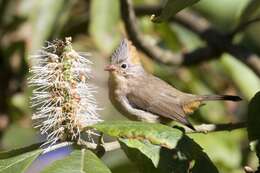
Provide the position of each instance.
(62, 100)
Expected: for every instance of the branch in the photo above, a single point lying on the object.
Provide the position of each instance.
(57, 146)
(251, 59)
(155, 52)
(244, 26)
(114, 145)
(189, 20)
(203, 128)
(136, 37)
(206, 128)
(218, 43)
(108, 146)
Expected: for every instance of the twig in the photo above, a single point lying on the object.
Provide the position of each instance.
(243, 26)
(152, 51)
(108, 146)
(57, 146)
(251, 59)
(206, 128)
(220, 42)
(190, 20)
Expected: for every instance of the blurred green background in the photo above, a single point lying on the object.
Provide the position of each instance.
(96, 27)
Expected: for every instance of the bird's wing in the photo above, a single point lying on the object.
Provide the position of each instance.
(158, 97)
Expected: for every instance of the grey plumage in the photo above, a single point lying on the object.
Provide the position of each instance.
(121, 52)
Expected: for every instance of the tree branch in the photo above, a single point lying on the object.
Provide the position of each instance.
(57, 146)
(206, 128)
(108, 146)
(155, 52)
(244, 26)
(114, 145)
(218, 43)
(136, 37)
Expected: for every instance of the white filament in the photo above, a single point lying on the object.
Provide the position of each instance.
(62, 106)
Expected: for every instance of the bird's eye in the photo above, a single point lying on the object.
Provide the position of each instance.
(124, 66)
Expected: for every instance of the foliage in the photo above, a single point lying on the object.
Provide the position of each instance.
(152, 148)
(154, 133)
(18, 163)
(78, 161)
(253, 124)
(171, 8)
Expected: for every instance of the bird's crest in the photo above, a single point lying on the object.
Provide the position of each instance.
(124, 51)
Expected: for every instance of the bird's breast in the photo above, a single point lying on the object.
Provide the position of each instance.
(117, 88)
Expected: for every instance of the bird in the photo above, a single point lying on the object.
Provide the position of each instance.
(141, 96)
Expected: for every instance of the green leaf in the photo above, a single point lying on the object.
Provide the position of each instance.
(171, 8)
(17, 136)
(220, 147)
(17, 151)
(136, 151)
(155, 133)
(253, 124)
(169, 36)
(19, 163)
(251, 11)
(254, 118)
(148, 149)
(244, 78)
(193, 151)
(156, 159)
(43, 17)
(83, 161)
(104, 18)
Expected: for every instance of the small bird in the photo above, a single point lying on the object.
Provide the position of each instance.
(141, 96)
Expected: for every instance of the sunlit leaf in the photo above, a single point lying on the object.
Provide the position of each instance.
(43, 17)
(155, 133)
(220, 147)
(172, 7)
(244, 78)
(104, 18)
(83, 161)
(18, 163)
(17, 136)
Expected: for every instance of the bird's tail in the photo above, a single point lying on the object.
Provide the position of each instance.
(220, 97)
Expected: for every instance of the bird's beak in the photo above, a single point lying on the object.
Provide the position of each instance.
(110, 67)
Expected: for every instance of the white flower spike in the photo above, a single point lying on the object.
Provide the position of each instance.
(62, 100)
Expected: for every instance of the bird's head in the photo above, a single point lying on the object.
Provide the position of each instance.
(125, 61)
